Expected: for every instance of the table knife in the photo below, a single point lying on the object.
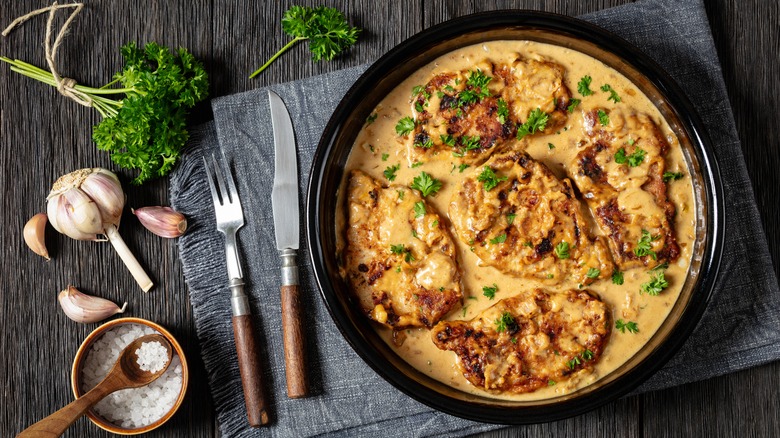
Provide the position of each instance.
(284, 200)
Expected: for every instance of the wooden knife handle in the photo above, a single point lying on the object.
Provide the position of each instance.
(294, 351)
(251, 374)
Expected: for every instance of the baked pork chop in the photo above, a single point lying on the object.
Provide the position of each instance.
(529, 341)
(470, 113)
(399, 257)
(620, 174)
(519, 218)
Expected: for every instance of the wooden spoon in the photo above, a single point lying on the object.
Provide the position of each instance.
(126, 373)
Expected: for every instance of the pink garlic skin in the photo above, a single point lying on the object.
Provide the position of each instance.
(162, 221)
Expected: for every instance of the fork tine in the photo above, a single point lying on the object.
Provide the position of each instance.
(227, 197)
(230, 182)
(214, 194)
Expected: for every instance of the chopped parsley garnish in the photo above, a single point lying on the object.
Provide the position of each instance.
(550, 276)
(418, 89)
(467, 97)
(550, 146)
(506, 322)
(510, 218)
(672, 176)
(562, 250)
(645, 246)
(501, 238)
(613, 96)
(371, 118)
(448, 139)
(465, 308)
(551, 383)
(583, 86)
(633, 160)
(479, 81)
(503, 111)
(617, 277)
(427, 144)
(434, 224)
(528, 244)
(655, 285)
(462, 167)
(470, 143)
(400, 249)
(593, 273)
(490, 291)
(574, 362)
(603, 118)
(623, 326)
(417, 164)
(587, 354)
(426, 184)
(400, 194)
(631, 141)
(536, 122)
(390, 172)
(419, 209)
(404, 126)
(573, 103)
(414, 233)
(489, 178)
(385, 157)
(661, 266)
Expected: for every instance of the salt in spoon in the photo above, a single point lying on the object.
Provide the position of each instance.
(126, 373)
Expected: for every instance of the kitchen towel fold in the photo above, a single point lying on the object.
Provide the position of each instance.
(740, 329)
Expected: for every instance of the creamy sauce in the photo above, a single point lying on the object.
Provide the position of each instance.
(378, 140)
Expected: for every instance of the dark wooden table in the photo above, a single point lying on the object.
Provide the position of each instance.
(43, 135)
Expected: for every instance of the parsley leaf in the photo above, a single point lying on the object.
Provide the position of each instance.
(536, 122)
(502, 111)
(574, 362)
(371, 118)
(385, 157)
(550, 146)
(448, 140)
(645, 246)
(326, 29)
(490, 291)
(593, 273)
(426, 184)
(400, 249)
(562, 250)
(506, 323)
(501, 238)
(672, 176)
(633, 160)
(573, 103)
(390, 172)
(587, 354)
(617, 277)
(479, 81)
(623, 326)
(470, 143)
(510, 218)
(603, 118)
(419, 209)
(583, 86)
(404, 126)
(462, 167)
(489, 178)
(613, 96)
(655, 285)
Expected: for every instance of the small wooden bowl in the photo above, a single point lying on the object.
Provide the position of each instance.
(81, 355)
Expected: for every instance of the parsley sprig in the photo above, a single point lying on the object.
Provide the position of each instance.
(633, 160)
(326, 29)
(490, 291)
(536, 122)
(656, 284)
(426, 184)
(613, 96)
(400, 249)
(145, 130)
(506, 323)
(489, 178)
(623, 326)
(583, 86)
(645, 245)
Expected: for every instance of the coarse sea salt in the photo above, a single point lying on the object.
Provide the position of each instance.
(135, 407)
(152, 356)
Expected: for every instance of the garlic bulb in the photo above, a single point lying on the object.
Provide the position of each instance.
(87, 204)
(162, 221)
(34, 235)
(81, 307)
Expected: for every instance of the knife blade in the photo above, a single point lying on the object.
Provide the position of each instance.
(284, 201)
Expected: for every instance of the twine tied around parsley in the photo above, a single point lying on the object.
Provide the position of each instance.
(65, 86)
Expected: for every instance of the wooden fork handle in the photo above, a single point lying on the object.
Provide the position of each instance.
(251, 373)
(294, 351)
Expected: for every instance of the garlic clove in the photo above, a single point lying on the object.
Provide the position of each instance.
(104, 189)
(35, 233)
(83, 211)
(162, 221)
(81, 307)
(61, 221)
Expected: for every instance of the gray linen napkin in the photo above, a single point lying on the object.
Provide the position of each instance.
(740, 328)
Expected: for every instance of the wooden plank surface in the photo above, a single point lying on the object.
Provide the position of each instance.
(43, 135)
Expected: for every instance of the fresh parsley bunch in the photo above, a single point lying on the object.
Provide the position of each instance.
(326, 28)
(148, 129)
(145, 130)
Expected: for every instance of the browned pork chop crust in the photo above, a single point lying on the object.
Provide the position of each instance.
(529, 225)
(620, 174)
(529, 341)
(470, 113)
(399, 257)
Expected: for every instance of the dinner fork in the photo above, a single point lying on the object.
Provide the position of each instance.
(227, 207)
